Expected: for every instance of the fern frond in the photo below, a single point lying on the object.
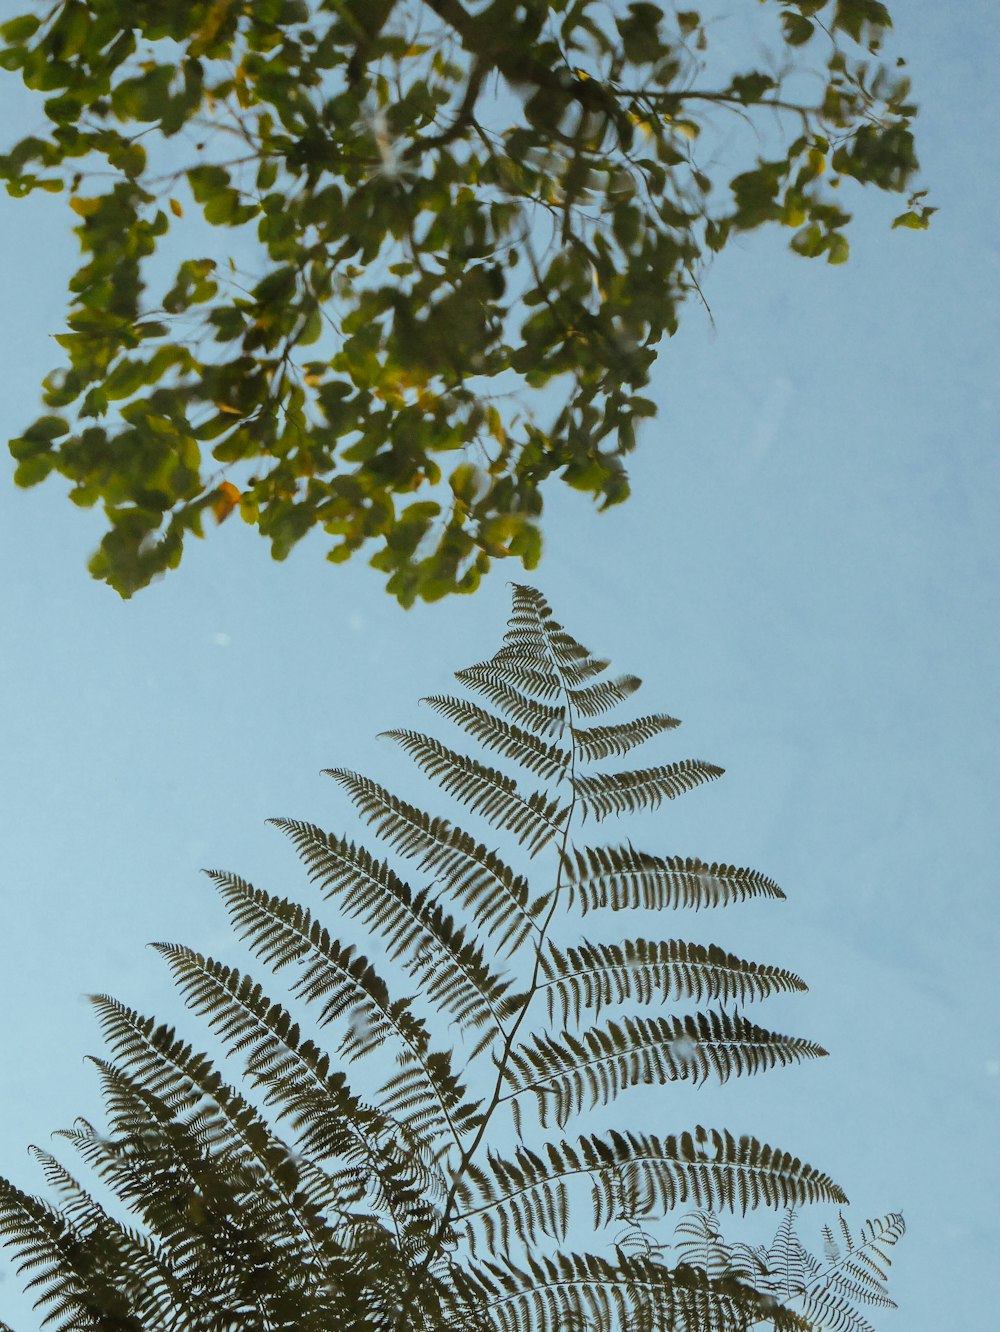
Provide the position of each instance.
(543, 719)
(549, 1294)
(475, 877)
(524, 669)
(130, 1262)
(591, 1069)
(638, 970)
(230, 1126)
(532, 626)
(643, 788)
(348, 986)
(859, 1268)
(296, 1076)
(216, 1227)
(700, 1243)
(634, 1176)
(47, 1246)
(449, 965)
(828, 1311)
(534, 820)
(524, 747)
(280, 932)
(622, 878)
(593, 700)
(600, 742)
(789, 1264)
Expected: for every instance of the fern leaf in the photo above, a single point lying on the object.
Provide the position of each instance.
(475, 877)
(533, 820)
(544, 719)
(638, 970)
(169, 1068)
(69, 1282)
(547, 1294)
(524, 747)
(152, 1292)
(449, 965)
(622, 878)
(280, 932)
(828, 1311)
(634, 1176)
(593, 700)
(295, 1074)
(860, 1270)
(530, 673)
(644, 788)
(532, 626)
(575, 1072)
(700, 1243)
(600, 742)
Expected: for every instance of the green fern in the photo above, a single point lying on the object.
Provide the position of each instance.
(461, 991)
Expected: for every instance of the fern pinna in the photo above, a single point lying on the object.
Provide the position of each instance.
(326, 1195)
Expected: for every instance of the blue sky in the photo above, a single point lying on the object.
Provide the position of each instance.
(807, 574)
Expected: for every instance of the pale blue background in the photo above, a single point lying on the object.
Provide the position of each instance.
(807, 575)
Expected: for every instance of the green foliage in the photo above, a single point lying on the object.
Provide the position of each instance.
(428, 210)
(391, 1202)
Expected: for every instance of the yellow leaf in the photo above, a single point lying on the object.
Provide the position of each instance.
(84, 207)
(176, 209)
(228, 499)
(817, 160)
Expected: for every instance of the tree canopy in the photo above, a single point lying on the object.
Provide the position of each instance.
(453, 238)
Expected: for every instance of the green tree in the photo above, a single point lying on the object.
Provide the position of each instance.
(454, 238)
(309, 1203)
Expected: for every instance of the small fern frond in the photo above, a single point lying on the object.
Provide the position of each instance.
(828, 1311)
(621, 878)
(643, 788)
(574, 1072)
(531, 674)
(475, 877)
(699, 1242)
(859, 1268)
(542, 719)
(533, 753)
(534, 820)
(788, 1262)
(641, 971)
(449, 965)
(593, 700)
(600, 742)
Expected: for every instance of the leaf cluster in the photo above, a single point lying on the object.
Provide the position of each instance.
(436, 209)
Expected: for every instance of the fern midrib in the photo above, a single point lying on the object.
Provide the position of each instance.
(496, 1098)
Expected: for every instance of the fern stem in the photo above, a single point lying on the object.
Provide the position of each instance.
(434, 1247)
